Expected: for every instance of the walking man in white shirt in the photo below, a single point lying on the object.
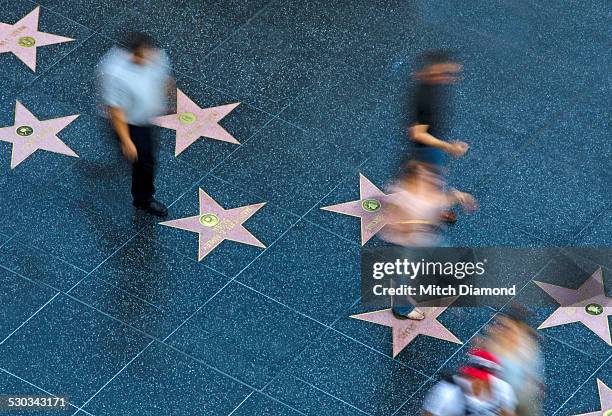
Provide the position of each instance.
(135, 83)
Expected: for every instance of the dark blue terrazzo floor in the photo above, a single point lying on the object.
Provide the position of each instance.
(101, 304)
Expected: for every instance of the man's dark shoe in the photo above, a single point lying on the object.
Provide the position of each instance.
(153, 207)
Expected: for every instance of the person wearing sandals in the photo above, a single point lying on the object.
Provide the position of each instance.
(414, 215)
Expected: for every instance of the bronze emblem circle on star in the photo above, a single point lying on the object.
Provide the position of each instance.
(25, 130)
(26, 41)
(371, 205)
(594, 309)
(209, 220)
(187, 118)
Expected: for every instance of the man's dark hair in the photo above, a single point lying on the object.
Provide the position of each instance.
(137, 40)
(435, 57)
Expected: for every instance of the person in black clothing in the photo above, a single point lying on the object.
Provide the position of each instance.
(429, 124)
(427, 128)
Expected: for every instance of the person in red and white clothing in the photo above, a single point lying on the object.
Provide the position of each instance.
(475, 391)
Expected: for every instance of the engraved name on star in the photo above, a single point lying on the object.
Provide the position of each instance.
(605, 399)
(192, 122)
(23, 37)
(369, 208)
(588, 304)
(30, 134)
(406, 330)
(215, 224)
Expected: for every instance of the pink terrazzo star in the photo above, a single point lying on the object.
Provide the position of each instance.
(29, 134)
(23, 38)
(215, 224)
(587, 304)
(406, 330)
(192, 122)
(369, 207)
(605, 399)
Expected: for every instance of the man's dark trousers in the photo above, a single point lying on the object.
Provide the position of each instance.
(143, 170)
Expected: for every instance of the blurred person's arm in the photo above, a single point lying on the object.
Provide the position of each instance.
(419, 133)
(116, 99)
(123, 132)
(467, 201)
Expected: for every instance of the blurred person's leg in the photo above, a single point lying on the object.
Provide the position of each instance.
(407, 312)
(143, 170)
(402, 308)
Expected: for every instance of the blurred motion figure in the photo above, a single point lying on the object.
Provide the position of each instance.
(431, 104)
(134, 83)
(422, 201)
(475, 391)
(429, 123)
(419, 198)
(414, 215)
(522, 366)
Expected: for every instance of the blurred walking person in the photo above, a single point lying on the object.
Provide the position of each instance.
(522, 366)
(475, 391)
(429, 123)
(414, 215)
(135, 82)
(424, 201)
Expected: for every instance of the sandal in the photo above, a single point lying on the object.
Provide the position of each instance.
(415, 315)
